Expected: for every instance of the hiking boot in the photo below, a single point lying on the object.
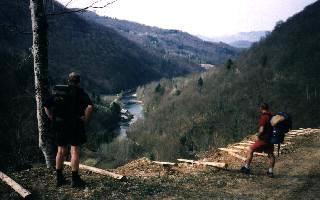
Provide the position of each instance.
(61, 181)
(270, 174)
(77, 182)
(60, 178)
(245, 170)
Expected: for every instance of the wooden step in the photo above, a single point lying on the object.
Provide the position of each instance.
(214, 164)
(98, 171)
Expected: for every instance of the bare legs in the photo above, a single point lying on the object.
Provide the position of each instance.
(74, 157)
(76, 181)
(248, 161)
(272, 160)
(249, 157)
(60, 156)
(75, 151)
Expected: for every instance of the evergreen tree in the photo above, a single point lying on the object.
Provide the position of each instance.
(229, 64)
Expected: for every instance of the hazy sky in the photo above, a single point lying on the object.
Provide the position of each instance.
(201, 17)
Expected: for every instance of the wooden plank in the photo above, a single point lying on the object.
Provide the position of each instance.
(260, 154)
(213, 164)
(164, 163)
(240, 147)
(14, 185)
(186, 160)
(288, 143)
(303, 133)
(289, 137)
(232, 150)
(99, 171)
(283, 145)
(245, 143)
(237, 156)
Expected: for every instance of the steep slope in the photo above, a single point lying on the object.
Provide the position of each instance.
(108, 61)
(289, 59)
(173, 44)
(282, 70)
(147, 180)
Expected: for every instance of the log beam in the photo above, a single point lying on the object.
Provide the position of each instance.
(213, 164)
(231, 150)
(240, 147)
(164, 163)
(99, 171)
(245, 143)
(14, 185)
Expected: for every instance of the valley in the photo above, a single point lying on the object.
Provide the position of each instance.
(158, 95)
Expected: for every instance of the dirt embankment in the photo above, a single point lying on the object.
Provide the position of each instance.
(297, 176)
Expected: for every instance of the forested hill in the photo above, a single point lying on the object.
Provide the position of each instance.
(289, 62)
(108, 61)
(223, 105)
(172, 44)
(292, 48)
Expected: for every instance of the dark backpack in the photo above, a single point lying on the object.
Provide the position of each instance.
(65, 103)
(280, 128)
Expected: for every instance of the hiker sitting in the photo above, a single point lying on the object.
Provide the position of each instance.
(262, 143)
(69, 109)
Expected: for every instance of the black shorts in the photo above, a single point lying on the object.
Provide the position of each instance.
(69, 133)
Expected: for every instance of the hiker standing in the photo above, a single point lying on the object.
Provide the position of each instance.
(69, 109)
(262, 143)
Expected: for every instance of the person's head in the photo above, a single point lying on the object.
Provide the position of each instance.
(264, 107)
(74, 79)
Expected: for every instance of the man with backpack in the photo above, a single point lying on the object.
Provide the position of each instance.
(69, 108)
(262, 144)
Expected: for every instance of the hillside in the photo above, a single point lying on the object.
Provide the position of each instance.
(288, 61)
(282, 70)
(147, 180)
(172, 44)
(108, 61)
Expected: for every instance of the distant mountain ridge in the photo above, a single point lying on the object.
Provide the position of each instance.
(239, 40)
(173, 44)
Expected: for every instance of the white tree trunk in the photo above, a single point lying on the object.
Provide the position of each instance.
(40, 55)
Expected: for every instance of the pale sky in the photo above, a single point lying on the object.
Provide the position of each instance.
(201, 17)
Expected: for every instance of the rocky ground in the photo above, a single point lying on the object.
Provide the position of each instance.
(297, 176)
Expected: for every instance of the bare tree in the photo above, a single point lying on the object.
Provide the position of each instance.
(40, 57)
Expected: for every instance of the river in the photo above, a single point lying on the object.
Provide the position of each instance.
(134, 107)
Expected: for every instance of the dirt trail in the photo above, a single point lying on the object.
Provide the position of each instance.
(297, 176)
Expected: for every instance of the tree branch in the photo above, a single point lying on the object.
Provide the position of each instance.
(68, 3)
(82, 9)
(105, 5)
